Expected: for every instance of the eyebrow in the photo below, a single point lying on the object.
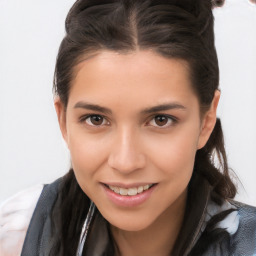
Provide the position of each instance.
(98, 108)
(163, 107)
(93, 107)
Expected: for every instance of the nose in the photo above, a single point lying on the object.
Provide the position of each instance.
(125, 155)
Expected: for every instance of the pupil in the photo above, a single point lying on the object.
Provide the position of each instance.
(161, 120)
(96, 120)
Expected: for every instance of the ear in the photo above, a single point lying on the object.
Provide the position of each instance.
(61, 114)
(208, 121)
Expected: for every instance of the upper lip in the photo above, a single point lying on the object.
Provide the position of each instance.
(131, 185)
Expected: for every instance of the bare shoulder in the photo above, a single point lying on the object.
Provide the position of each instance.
(15, 215)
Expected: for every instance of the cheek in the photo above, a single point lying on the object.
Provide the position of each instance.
(88, 154)
(175, 154)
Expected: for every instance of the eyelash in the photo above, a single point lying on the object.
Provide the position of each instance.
(171, 120)
(84, 118)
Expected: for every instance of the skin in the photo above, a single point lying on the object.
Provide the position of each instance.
(129, 145)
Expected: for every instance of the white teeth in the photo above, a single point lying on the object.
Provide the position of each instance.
(123, 191)
(140, 189)
(146, 187)
(130, 191)
(116, 190)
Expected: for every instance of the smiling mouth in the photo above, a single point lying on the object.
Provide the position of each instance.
(129, 191)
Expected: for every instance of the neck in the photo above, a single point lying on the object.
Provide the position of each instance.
(157, 239)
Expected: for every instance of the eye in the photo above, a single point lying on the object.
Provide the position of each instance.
(94, 120)
(162, 121)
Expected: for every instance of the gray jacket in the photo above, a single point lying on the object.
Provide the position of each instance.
(240, 226)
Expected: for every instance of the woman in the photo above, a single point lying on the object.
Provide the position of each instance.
(136, 86)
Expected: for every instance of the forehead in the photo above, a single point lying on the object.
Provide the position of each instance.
(143, 76)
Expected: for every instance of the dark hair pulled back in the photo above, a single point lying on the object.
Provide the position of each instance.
(179, 29)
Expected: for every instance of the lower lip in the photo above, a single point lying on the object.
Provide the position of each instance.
(128, 201)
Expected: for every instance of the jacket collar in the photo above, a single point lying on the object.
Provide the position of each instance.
(199, 192)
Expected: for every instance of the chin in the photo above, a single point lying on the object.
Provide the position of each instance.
(131, 222)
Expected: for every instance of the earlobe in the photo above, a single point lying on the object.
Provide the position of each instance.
(61, 114)
(208, 121)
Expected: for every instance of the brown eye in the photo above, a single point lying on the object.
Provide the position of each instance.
(95, 120)
(162, 121)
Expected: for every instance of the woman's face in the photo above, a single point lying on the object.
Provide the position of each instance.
(133, 127)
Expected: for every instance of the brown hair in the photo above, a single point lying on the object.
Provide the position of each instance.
(181, 29)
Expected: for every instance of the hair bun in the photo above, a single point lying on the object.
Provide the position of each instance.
(217, 3)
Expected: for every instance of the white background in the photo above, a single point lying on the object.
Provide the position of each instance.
(31, 148)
